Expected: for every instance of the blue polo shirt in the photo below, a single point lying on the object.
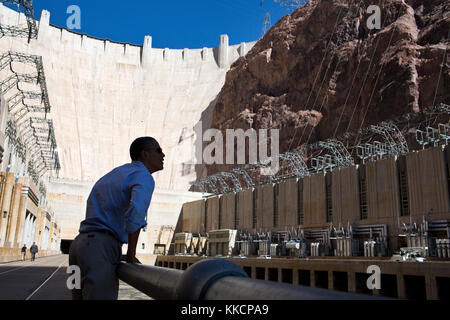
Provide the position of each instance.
(119, 201)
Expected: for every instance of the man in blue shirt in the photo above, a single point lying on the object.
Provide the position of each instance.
(115, 213)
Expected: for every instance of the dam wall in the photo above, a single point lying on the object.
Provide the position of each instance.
(104, 94)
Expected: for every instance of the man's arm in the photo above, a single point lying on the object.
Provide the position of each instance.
(132, 243)
(135, 217)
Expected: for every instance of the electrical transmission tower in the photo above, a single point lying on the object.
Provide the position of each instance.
(266, 23)
(29, 132)
(28, 31)
(291, 5)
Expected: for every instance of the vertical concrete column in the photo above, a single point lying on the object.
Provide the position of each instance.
(266, 273)
(401, 286)
(126, 49)
(330, 280)
(295, 277)
(39, 227)
(242, 49)
(312, 276)
(351, 282)
(44, 25)
(33, 228)
(6, 203)
(14, 212)
(431, 287)
(223, 51)
(83, 44)
(280, 274)
(204, 53)
(20, 229)
(58, 239)
(29, 229)
(107, 46)
(26, 228)
(146, 51)
(253, 276)
(50, 237)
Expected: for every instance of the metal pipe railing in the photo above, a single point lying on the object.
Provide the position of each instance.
(156, 282)
(216, 279)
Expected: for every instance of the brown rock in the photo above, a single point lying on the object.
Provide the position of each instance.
(320, 71)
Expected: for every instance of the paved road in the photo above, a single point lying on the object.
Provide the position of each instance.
(45, 279)
(29, 280)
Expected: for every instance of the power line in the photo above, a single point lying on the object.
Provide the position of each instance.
(317, 75)
(367, 73)
(379, 72)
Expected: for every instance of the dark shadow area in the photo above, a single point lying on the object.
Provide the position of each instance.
(206, 120)
(389, 285)
(286, 275)
(304, 277)
(415, 288)
(443, 288)
(273, 274)
(248, 271)
(361, 283)
(260, 273)
(321, 279)
(65, 246)
(340, 281)
(178, 228)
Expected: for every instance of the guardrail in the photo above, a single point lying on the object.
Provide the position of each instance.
(216, 279)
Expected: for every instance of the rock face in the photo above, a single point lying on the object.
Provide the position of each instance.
(321, 71)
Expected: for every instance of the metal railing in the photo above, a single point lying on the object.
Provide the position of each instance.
(216, 279)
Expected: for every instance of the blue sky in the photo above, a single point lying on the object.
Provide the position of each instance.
(172, 24)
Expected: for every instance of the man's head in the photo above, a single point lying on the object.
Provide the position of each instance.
(148, 151)
(34, 242)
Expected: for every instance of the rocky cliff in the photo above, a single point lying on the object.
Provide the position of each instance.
(321, 71)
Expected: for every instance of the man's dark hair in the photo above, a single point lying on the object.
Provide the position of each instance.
(140, 144)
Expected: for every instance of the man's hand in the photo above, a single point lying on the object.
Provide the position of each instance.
(132, 259)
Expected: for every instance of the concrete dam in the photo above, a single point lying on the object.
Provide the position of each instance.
(103, 95)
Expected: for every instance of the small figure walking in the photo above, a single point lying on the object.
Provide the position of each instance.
(24, 252)
(33, 250)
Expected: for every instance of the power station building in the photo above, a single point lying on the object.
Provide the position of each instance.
(326, 229)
